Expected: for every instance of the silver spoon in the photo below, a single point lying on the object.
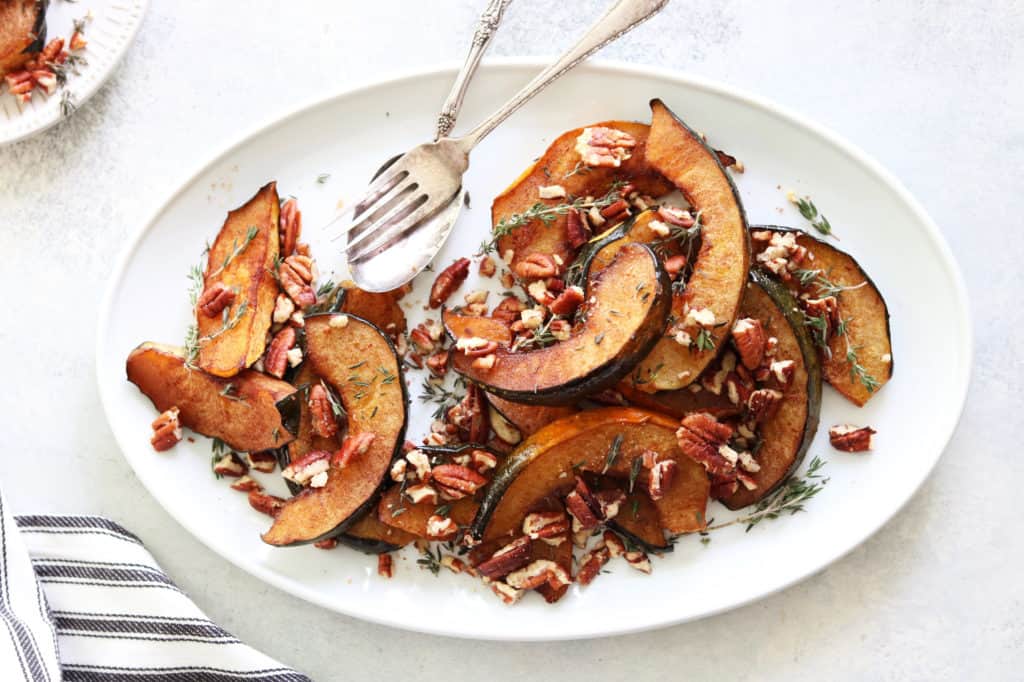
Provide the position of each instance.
(409, 208)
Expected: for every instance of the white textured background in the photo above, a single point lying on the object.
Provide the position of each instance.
(933, 89)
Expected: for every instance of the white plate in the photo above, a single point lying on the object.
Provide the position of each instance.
(112, 29)
(349, 134)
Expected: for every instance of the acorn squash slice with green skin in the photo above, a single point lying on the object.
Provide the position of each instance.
(719, 270)
(559, 165)
(367, 534)
(22, 32)
(546, 463)
(861, 307)
(623, 316)
(360, 363)
(524, 420)
(786, 436)
(241, 411)
(242, 258)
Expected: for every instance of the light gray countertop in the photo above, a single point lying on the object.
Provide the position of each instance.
(931, 89)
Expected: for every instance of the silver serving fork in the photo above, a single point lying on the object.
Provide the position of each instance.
(410, 207)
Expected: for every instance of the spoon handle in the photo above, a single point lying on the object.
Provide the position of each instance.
(622, 17)
(485, 30)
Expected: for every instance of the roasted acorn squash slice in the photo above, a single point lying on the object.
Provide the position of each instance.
(559, 165)
(545, 464)
(360, 363)
(241, 411)
(22, 32)
(862, 309)
(719, 271)
(241, 258)
(787, 435)
(624, 315)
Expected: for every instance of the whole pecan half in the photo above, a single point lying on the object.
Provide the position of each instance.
(701, 438)
(750, 340)
(567, 302)
(764, 403)
(851, 438)
(276, 360)
(456, 481)
(536, 266)
(321, 411)
(215, 298)
(448, 281)
(268, 504)
(295, 276)
(289, 226)
(515, 554)
(352, 447)
(548, 524)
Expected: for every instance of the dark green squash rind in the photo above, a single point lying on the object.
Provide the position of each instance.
(788, 309)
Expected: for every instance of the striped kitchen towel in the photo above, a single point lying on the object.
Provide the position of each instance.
(81, 600)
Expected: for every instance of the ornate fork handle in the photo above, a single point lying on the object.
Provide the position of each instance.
(485, 30)
(622, 17)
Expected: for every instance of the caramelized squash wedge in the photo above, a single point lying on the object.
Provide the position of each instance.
(379, 309)
(559, 166)
(627, 304)
(638, 520)
(22, 32)
(861, 307)
(719, 271)
(360, 363)
(241, 411)
(369, 536)
(459, 326)
(241, 258)
(525, 420)
(787, 435)
(545, 465)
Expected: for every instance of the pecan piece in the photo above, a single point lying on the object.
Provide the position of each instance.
(615, 211)
(352, 447)
(583, 516)
(470, 416)
(166, 430)
(674, 265)
(600, 146)
(230, 464)
(321, 411)
(311, 469)
(660, 478)
(291, 274)
(550, 524)
(508, 310)
(536, 266)
(512, 556)
(385, 566)
(438, 363)
(275, 362)
(567, 302)
(329, 543)
(268, 504)
(456, 481)
(591, 564)
(851, 438)
(246, 484)
(576, 231)
(537, 573)
(676, 216)
(750, 340)
(763, 404)
(487, 267)
(448, 281)
(826, 308)
(289, 226)
(702, 439)
(264, 461)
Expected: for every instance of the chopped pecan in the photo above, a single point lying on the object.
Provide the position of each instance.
(660, 478)
(470, 415)
(296, 276)
(609, 502)
(166, 430)
(264, 461)
(268, 504)
(448, 281)
(701, 438)
(438, 363)
(321, 412)
(736, 388)
(215, 298)
(421, 492)
(77, 41)
(576, 230)
(613, 542)
(352, 447)
(826, 308)
(750, 340)
(676, 216)
(422, 340)
(639, 561)
(763, 404)
(487, 267)
(230, 464)
(441, 527)
(456, 481)
(783, 371)
(475, 346)
(305, 470)
(284, 308)
(591, 564)
(548, 524)
(52, 49)
(537, 573)
(600, 146)
(275, 362)
(385, 566)
(583, 516)
(246, 484)
(674, 265)
(615, 211)
(289, 226)
(851, 438)
(457, 565)
(512, 556)
(329, 543)
(508, 594)
(567, 302)
(508, 310)
(483, 461)
(536, 266)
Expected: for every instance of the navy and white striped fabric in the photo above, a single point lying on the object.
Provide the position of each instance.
(82, 600)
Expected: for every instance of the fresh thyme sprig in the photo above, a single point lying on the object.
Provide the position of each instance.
(217, 449)
(704, 341)
(195, 288)
(236, 249)
(819, 325)
(613, 454)
(228, 322)
(542, 337)
(429, 561)
(546, 214)
(789, 499)
(810, 212)
(438, 393)
(579, 169)
(68, 104)
(634, 473)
